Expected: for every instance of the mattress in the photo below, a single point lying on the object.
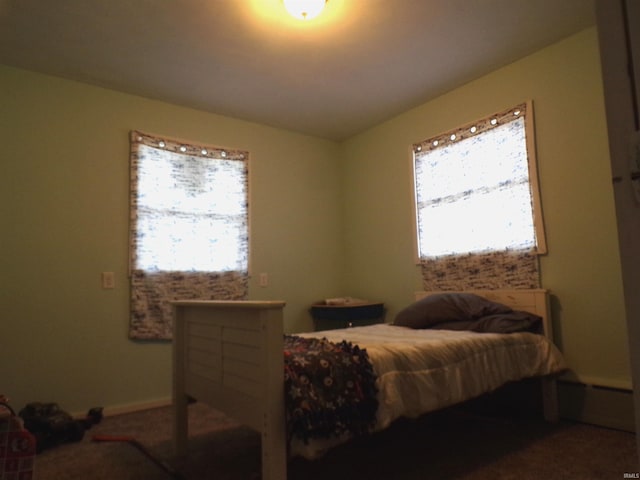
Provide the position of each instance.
(420, 371)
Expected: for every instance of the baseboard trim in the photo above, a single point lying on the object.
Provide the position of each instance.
(597, 405)
(130, 407)
(136, 407)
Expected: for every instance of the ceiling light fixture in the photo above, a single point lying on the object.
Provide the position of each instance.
(304, 9)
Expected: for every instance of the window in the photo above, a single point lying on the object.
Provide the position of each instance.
(476, 188)
(189, 228)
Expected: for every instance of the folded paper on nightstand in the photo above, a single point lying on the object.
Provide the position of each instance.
(345, 301)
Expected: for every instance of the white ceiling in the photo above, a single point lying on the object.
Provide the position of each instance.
(360, 63)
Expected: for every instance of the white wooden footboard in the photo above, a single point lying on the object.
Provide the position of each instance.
(229, 355)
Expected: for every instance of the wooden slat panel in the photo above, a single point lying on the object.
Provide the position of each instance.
(204, 358)
(242, 353)
(242, 385)
(201, 388)
(245, 409)
(245, 370)
(206, 344)
(516, 300)
(212, 315)
(240, 319)
(204, 330)
(210, 373)
(242, 337)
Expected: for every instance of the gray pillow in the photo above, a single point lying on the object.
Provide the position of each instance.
(511, 322)
(447, 307)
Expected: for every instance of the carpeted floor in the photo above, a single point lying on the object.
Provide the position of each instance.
(447, 445)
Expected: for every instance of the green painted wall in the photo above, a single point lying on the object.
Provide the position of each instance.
(64, 210)
(327, 219)
(582, 268)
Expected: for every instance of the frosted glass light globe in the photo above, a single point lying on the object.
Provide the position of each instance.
(304, 9)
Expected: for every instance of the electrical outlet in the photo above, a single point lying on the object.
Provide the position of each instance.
(263, 280)
(108, 280)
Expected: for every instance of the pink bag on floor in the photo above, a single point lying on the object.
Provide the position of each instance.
(17, 446)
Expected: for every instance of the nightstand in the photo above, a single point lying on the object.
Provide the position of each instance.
(330, 317)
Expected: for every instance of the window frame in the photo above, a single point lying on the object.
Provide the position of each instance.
(534, 182)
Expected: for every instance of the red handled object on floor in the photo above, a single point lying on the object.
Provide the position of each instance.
(17, 445)
(132, 441)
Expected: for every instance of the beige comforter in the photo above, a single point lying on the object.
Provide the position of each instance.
(419, 371)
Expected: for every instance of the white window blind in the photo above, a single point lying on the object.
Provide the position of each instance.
(476, 188)
(191, 211)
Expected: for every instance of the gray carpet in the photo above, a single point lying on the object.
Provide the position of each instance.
(448, 445)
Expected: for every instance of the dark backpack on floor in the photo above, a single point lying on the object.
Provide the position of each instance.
(52, 426)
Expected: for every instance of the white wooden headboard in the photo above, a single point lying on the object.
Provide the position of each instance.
(528, 300)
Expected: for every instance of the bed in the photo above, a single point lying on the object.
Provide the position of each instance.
(230, 355)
